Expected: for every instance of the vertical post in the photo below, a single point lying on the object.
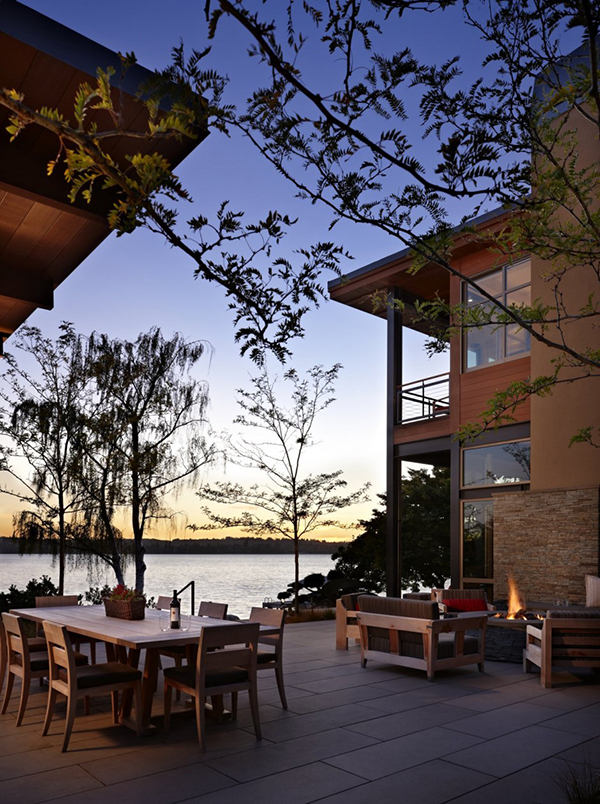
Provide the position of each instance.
(394, 465)
(455, 517)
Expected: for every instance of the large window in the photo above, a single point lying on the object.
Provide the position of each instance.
(477, 538)
(492, 343)
(496, 464)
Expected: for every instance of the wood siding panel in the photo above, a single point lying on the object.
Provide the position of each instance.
(421, 431)
(477, 387)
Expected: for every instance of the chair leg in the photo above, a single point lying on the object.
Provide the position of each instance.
(201, 721)
(137, 691)
(52, 693)
(253, 696)
(178, 663)
(9, 685)
(93, 652)
(234, 703)
(71, 709)
(114, 696)
(167, 715)
(25, 685)
(280, 687)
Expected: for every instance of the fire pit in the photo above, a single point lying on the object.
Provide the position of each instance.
(505, 636)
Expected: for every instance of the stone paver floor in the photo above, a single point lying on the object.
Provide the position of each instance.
(350, 736)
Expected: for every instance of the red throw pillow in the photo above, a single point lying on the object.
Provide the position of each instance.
(460, 604)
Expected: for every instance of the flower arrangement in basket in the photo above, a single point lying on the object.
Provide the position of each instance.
(124, 603)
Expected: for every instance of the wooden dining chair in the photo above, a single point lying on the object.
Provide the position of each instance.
(218, 611)
(35, 644)
(271, 659)
(74, 681)
(219, 670)
(23, 663)
(68, 600)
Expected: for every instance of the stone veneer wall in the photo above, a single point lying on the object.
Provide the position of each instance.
(548, 541)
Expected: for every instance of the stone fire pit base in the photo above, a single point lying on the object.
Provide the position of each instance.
(505, 639)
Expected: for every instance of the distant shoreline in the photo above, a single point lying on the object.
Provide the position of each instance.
(230, 545)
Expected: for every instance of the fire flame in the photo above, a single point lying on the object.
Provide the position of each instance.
(515, 602)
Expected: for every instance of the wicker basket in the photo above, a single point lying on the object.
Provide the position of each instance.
(125, 609)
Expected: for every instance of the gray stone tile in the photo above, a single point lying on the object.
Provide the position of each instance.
(315, 703)
(314, 722)
(48, 785)
(264, 761)
(587, 753)
(390, 726)
(20, 741)
(296, 786)
(402, 753)
(485, 700)
(573, 698)
(404, 701)
(534, 785)
(515, 751)
(343, 682)
(502, 721)
(431, 783)
(583, 721)
(172, 786)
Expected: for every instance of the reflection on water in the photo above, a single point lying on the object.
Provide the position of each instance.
(242, 581)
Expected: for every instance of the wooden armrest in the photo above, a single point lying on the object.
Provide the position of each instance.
(393, 622)
(462, 623)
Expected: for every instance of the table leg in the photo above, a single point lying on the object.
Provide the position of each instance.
(133, 660)
(149, 687)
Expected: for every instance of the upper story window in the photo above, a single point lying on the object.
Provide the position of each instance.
(496, 464)
(511, 284)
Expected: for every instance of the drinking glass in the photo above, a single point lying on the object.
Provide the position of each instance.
(164, 620)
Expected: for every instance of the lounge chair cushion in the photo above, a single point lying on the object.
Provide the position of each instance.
(265, 656)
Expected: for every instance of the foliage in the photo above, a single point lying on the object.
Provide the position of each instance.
(389, 141)
(289, 504)
(121, 592)
(425, 536)
(109, 426)
(183, 101)
(579, 783)
(25, 598)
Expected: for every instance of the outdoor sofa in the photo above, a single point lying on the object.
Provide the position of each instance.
(410, 633)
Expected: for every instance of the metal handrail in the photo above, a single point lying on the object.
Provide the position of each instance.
(421, 400)
(193, 585)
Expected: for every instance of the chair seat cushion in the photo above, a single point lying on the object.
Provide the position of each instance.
(96, 675)
(266, 656)
(187, 676)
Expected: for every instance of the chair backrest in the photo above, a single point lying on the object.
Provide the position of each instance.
(60, 653)
(16, 640)
(215, 653)
(458, 594)
(55, 600)
(218, 611)
(397, 607)
(274, 618)
(163, 603)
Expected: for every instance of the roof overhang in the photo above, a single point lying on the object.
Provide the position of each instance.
(43, 237)
(364, 287)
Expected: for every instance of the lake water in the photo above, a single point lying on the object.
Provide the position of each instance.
(242, 581)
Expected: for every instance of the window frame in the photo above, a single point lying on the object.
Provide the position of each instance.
(493, 485)
(464, 333)
(464, 578)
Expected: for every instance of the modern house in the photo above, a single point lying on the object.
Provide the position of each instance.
(43, 237)
(522, 501)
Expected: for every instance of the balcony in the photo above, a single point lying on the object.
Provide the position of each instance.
(423, 400)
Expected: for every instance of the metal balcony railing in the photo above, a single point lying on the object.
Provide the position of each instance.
(423, 399)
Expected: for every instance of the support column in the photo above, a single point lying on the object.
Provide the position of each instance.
(455, 517)
(394, 465)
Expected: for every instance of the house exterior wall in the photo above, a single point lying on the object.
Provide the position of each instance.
(547, 540)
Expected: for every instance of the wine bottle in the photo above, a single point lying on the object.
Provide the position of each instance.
(175, 607)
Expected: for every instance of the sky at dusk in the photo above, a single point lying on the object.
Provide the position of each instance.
(134, 282)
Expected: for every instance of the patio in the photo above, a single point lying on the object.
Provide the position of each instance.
(350, 736)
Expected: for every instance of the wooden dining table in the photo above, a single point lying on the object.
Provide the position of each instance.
(125, 639)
